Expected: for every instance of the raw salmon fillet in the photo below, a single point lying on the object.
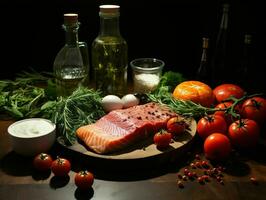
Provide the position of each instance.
(120, 128)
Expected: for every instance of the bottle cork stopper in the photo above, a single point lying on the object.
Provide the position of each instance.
(70, 18)
(205, 43)
(109, 9)
(247, 39)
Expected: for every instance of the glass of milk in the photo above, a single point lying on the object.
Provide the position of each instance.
(146, 74)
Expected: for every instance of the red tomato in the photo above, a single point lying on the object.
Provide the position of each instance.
(244, 133)
(42, 162)
(210, 124)
(162, 139)
(254, 108)
(228, 117)
(84, 180)
(217, 146)
(224, 91)
(176, 125)
(61, 167)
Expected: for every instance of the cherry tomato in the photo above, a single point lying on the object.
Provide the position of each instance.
(244, 133)
(254, 108)
(217, 146)
(42, 162)
(176, 125)
(61, 167)
(162, 139)
(210, 124)
(228, 117)
(224, 91)
(84, 180)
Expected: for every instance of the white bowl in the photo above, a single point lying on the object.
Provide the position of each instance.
(32, 136)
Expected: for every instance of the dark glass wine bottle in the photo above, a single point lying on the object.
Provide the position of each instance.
(204, 70)
(246, 61)
(220, 58)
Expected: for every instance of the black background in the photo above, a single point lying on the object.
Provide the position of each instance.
(171, 30)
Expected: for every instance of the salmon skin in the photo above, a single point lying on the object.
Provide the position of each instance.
(121, 128)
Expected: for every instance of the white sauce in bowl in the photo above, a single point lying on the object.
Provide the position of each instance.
(29, 128)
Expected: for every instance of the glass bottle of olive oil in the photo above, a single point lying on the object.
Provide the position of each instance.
(109, 53)
(70, 69)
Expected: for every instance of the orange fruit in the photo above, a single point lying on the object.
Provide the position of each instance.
(195, 91)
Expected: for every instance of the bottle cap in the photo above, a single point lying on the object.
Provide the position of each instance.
(109, 10)
(70, 18)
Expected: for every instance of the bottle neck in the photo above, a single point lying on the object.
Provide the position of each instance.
(71, 34)
(204, 55)
(224, 20)
(109, 26)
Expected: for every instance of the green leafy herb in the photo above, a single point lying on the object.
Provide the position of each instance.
(185, 108)
(171, 79)
(33, 95)
(22, 98)
(69, 113)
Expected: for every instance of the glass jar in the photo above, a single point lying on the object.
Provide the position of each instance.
(146, 74)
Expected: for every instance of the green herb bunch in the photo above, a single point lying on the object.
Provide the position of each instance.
(32, 94)
(82, 107)
(21, 98)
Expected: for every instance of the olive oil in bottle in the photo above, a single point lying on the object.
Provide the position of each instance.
(109, 53)
(69, 68)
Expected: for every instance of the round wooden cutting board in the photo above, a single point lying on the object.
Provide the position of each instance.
(142, 150)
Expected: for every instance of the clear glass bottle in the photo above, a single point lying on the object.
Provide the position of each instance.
(109, 53)
(204, 70)
(220, 58)
(69, 68)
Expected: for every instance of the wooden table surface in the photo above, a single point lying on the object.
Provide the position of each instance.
(116, 181)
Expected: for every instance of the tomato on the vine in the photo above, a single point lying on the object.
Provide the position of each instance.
(217, 146)
(162, 139)
(210, 124)
(42, 162)
(254, 108)
(224, 91)
(244, 133)
(227, 116)
(61, 166)
(176, 125)
(84, 180)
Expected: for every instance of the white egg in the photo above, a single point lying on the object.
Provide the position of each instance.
(112, 102)
(129, 100)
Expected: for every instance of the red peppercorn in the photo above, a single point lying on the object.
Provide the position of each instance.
(190, 175)
(179, 176)
(186, 171)
(197, 156)
(180, 184)
(254, 180)
(204, 164)
(198, 164)
(184, 178)
(192, 165)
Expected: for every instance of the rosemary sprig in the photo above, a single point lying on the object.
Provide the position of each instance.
(185, 108)
(69, 113)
